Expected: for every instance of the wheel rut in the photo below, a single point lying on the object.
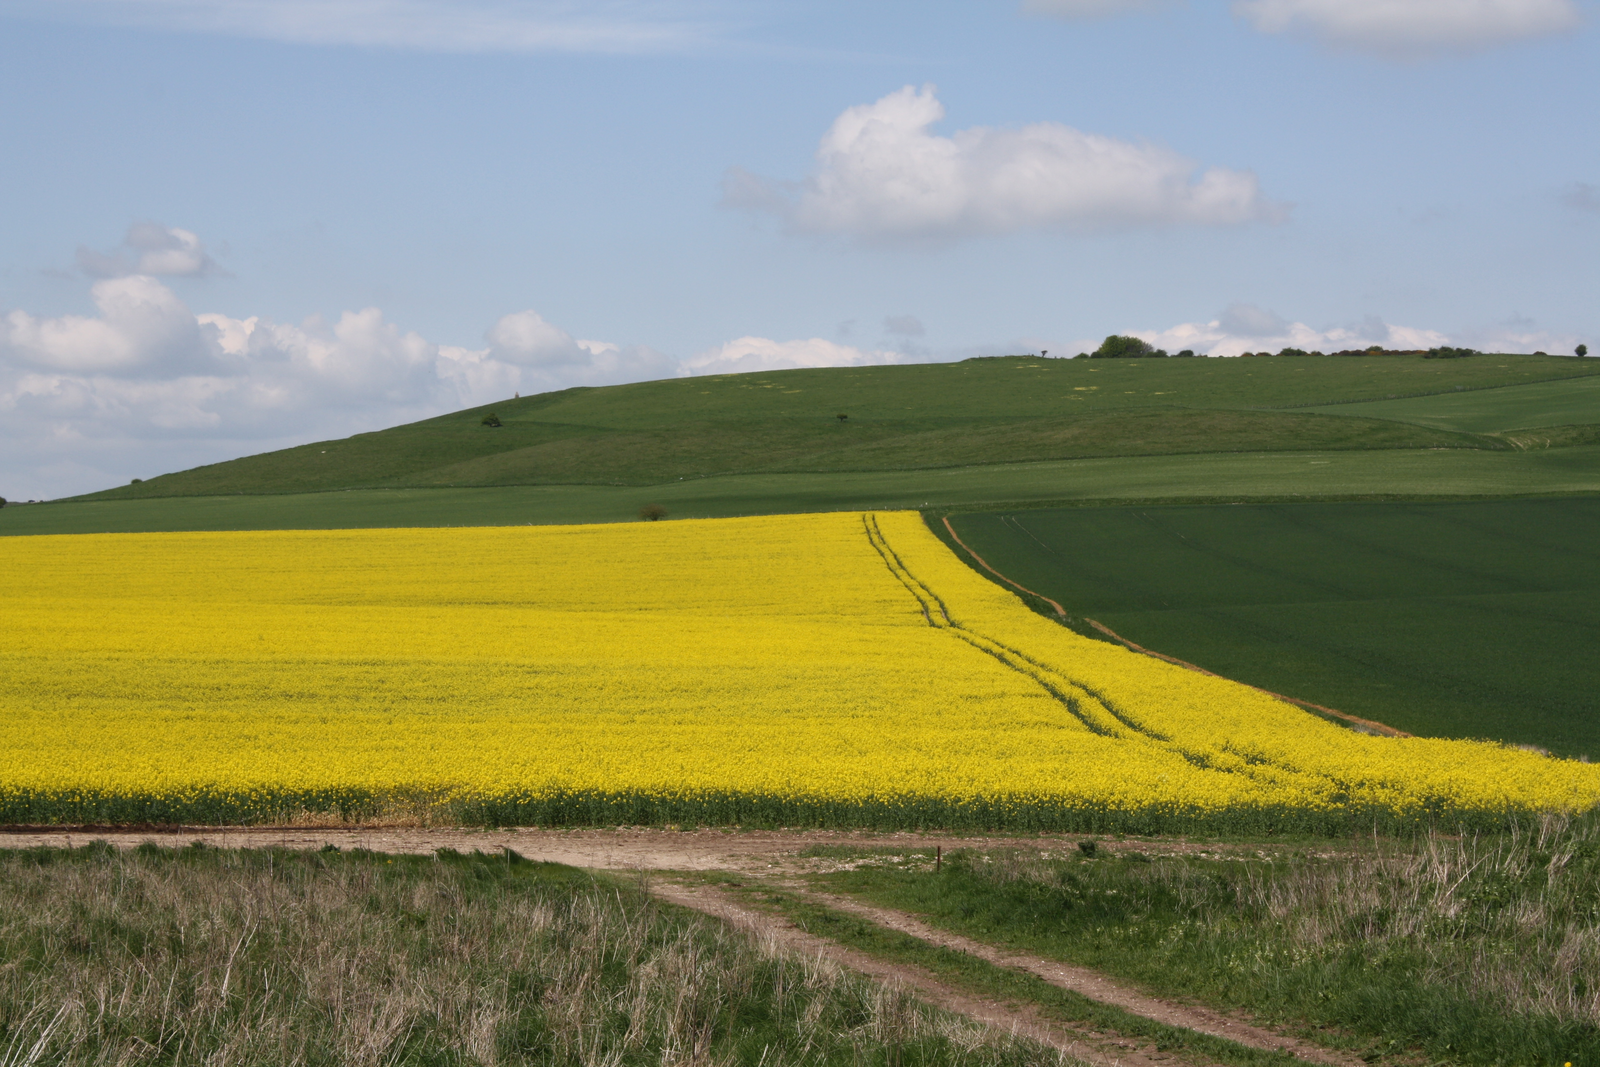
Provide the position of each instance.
(1101, 1049)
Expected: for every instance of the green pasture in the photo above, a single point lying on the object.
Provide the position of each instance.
(1217, 476)
(1459, 619)
(1541, 404)
(978, 412)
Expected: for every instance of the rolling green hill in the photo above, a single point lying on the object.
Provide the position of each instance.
(1005, 432)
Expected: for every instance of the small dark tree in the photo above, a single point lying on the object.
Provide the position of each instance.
(1187, 353)
(491, 419)
(652, 513)
(1581, 351)
(2, 501)
(841, 416)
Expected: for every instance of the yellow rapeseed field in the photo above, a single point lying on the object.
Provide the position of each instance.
(839, 668)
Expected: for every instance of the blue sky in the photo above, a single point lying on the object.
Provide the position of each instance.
(235, 226)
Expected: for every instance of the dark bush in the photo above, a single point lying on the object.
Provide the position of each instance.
(652, 513)
(491, 419)
(1120, 347)
(1445, 352)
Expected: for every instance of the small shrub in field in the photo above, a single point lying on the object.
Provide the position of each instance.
(491, 419)
(652, 513)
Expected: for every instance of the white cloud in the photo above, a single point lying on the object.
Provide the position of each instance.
(618, 26)
(548, 357)
(156, 250)
(1407, 27)
(142, 329)
(763, 354)
(1246, 328)
(146, 385)
(1089, 9)
(882, 174)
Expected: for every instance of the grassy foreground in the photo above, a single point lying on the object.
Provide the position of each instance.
(1472, 619)
(1443, 950)
(201, 956)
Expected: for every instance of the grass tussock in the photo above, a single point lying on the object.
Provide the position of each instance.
(1464, 949)
(201, 956)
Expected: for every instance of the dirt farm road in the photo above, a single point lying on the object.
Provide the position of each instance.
(777, 856)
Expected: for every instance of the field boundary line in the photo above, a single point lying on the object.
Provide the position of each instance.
(1383, 729)
(985, 565)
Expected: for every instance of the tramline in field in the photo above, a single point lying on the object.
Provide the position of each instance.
(840, 669)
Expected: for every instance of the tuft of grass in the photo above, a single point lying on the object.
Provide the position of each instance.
(1462, 949)
(205, 956)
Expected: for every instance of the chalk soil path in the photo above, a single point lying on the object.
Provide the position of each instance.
(1091, 984)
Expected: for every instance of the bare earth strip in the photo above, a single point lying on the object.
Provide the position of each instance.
(775, 855)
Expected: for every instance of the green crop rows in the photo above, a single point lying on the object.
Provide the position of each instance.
(1472, 619)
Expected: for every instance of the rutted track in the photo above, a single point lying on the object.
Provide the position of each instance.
(775, 855)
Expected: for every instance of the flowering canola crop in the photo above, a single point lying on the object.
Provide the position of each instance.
(837, 669)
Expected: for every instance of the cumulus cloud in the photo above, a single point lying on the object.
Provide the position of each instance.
(143, 329)
(146, 385)
(882, 174)
(763, 354)
(1247, 328)
(1404, 27)
(154, 249)
(1089, 9)
(620, 26)
(548, 357)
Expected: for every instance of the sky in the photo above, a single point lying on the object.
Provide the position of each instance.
(234, 226)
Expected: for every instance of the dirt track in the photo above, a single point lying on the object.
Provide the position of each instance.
(777, 856)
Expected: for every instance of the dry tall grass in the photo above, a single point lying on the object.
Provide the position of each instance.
(1477, 949)
(231, 957)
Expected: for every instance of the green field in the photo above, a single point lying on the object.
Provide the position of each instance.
(1470, 619)
(899, 418)
(1231, 477)
(1506, 410)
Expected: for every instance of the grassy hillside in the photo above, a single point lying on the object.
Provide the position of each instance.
(1535, 406)
(1226, 476)
(1456, 619)
(898, 418)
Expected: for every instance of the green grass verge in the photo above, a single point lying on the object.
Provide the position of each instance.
(985, 979)
(268, 805)
(1467, 619)
(1227, 477)
(1472, 952)
(919, 416)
